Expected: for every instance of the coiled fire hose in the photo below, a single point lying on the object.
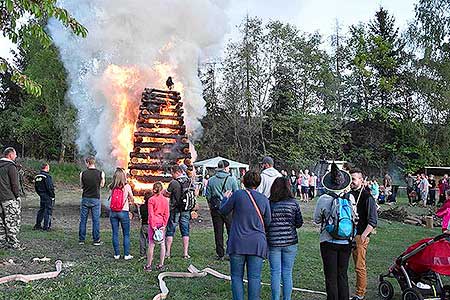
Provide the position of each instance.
(28, 278)
(195, 273)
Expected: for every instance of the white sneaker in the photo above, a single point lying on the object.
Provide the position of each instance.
(116, 256)
(128, 257)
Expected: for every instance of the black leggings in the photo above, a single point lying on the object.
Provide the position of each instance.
(335, 259)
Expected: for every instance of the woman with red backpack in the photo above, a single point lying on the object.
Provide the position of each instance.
(121, 196)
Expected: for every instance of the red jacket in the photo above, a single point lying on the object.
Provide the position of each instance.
(444, 213)
(158, 211)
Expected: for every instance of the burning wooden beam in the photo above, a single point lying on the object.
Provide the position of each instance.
(179, 137)
(160, 117)
(156, 109)
(167, 156)
(151, 90)
(159, 102)
(164, 167)
(155, 96)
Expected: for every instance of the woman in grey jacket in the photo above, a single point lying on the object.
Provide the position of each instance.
(335, 252)
(282, 236)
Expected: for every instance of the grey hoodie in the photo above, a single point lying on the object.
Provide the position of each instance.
(268, 176)
(9, 180)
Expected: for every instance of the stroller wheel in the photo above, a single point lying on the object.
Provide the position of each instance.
(447, 291)
(385, 290)
(412, 294)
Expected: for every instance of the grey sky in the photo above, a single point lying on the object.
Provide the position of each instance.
(308, 15)
(320, 15)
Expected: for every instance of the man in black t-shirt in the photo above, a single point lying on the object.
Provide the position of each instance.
(91, 180)
(177, 216)
(367, 221)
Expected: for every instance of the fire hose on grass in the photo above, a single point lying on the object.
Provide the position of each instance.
(195, 273)
(31, 277)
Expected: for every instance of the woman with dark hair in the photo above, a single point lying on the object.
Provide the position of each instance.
(282, 236)
(247, 244)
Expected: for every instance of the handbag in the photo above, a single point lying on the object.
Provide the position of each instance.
(256, 207)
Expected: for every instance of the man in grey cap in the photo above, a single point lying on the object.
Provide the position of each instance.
(268, 176)
(217, 185)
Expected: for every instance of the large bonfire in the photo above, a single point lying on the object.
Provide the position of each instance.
(148, 136)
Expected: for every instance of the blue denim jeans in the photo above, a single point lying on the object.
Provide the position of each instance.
(123, 219)
(178, 218)
(254, 265)
(45, 212)
(94, 205)
(281, 263)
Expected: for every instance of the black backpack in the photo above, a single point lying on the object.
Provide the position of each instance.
(214, 200)
(187, 200)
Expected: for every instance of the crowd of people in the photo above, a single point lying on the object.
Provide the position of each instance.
(261, 220)
(423, 189)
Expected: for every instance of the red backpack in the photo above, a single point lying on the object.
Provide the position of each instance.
(116, 200)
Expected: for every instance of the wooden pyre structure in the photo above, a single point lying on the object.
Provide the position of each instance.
(160, 141)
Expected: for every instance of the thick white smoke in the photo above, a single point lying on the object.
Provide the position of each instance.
(140, 34)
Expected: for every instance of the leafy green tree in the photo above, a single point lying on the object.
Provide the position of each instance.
(47, 120)
(11, 11)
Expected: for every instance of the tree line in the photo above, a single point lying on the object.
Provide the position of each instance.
(375, 96)
(378, 98)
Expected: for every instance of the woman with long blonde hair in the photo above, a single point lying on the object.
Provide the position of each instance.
(121, 196)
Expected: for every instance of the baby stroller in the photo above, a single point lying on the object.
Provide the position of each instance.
(418, 271)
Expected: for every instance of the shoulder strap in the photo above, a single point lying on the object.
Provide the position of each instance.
(224, 182)
(256, 207)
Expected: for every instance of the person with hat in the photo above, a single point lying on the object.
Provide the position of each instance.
(218, 184)
(335, 252)
(268, 176)
(367, 221)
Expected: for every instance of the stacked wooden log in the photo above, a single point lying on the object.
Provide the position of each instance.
(160, 140)
(400, 214)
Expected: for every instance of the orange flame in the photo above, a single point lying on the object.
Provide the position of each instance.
(121, 81)
(122, 87)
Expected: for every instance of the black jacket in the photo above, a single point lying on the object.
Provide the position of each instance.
(367, 210)
(43, 184)
(286, 218)
(9, 180)
(143, 209)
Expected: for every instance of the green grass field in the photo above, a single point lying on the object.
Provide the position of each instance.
(90, 272)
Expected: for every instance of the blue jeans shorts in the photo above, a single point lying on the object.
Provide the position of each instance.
(181, 219)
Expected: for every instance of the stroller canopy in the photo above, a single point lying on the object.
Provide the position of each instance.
(434, 257)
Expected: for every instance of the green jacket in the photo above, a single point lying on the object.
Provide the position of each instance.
(215, 183)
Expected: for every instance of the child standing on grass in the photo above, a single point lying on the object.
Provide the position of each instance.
(143, 236)
(444, 212)
(158, 215)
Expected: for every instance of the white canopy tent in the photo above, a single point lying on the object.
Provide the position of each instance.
(212, 163)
